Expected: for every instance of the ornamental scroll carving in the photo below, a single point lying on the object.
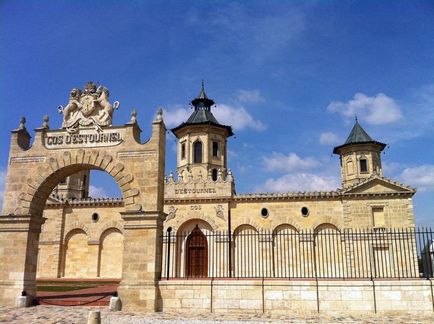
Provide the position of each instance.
(88, 108)
(171, 213)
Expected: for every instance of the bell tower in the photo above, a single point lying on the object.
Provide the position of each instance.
(202, 142)
(360, 156)
(75, 186)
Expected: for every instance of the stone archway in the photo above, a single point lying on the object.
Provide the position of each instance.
(34, 170)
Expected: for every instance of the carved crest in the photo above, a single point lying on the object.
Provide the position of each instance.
(89, 107)
(219, 211)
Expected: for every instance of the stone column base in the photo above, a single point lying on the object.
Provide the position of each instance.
(115, 304)
(23, 301)
(139, 297)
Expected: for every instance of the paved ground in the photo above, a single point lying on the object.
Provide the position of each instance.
(55, 314)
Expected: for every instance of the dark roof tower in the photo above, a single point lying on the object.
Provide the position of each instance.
(202, 114)
(358, 136)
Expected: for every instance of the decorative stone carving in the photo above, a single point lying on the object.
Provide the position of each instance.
(219, 211)
(89, 107)
(159, 117)
(171, 213)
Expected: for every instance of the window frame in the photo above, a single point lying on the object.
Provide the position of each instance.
(215, 149)
(197, 156)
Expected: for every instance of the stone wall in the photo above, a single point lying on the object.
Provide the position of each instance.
(281, 296)
(74, 245)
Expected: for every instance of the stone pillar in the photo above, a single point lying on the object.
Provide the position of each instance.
(19, 239)
(141, 267)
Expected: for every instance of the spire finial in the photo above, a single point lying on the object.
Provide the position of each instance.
(355, 117)
(203, 86)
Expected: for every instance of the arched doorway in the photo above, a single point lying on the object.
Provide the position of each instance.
(197, 254)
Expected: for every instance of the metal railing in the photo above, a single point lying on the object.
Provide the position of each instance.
(287, 253)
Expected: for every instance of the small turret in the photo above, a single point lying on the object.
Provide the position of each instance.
(202, 140)
(360, 156)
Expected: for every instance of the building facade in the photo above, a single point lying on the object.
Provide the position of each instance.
(83, 237)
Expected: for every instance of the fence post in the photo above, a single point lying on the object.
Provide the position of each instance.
(169, 230)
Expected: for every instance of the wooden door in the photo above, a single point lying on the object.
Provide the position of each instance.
(197, 254)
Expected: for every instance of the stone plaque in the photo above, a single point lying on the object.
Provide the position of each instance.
(85, 138)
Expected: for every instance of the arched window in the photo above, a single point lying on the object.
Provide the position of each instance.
(197, 148)
(214, 175)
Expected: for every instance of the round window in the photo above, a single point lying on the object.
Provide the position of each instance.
(95, 217)
(264, 212)
(305, 211)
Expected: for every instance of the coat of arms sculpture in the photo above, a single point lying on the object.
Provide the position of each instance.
(88, 108)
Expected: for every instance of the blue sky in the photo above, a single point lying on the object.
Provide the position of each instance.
(288, 75)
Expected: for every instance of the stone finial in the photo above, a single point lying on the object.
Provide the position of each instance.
(133, 119)
(159, 117)
(230, 176)
(22, 123)
(46, 119)
(199, 175)
(219, 174)
(171, 178)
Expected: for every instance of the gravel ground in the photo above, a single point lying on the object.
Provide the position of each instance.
(55, 314)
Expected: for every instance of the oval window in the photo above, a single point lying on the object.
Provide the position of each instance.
(264, 212)
(95, 217)
(305, 211)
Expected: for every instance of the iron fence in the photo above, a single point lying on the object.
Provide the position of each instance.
(287, 253)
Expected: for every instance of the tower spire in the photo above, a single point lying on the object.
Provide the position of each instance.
(202, 101)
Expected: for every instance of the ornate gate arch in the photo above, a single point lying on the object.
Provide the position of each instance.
(87, 141)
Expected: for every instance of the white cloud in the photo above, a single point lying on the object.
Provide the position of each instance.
(329, 138)
(288, 163)
(97, 192)
(421, 177)
(250, 96)
(377, 110)
(175, 116)
(2, 186)
(237, 117)
(300, 182)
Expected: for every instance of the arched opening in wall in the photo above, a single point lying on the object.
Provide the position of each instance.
(197, 152)
(86, 184)
(178, 263)
(70, 243)
(287, 259)
(79, 259)
(247, 254)
(102, 185)
(110, 254)
(196, 254)
(329, 252)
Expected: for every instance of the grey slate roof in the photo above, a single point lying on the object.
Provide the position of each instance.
(358, 136)
(202, 114)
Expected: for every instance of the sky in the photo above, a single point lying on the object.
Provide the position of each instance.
(289, 76)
